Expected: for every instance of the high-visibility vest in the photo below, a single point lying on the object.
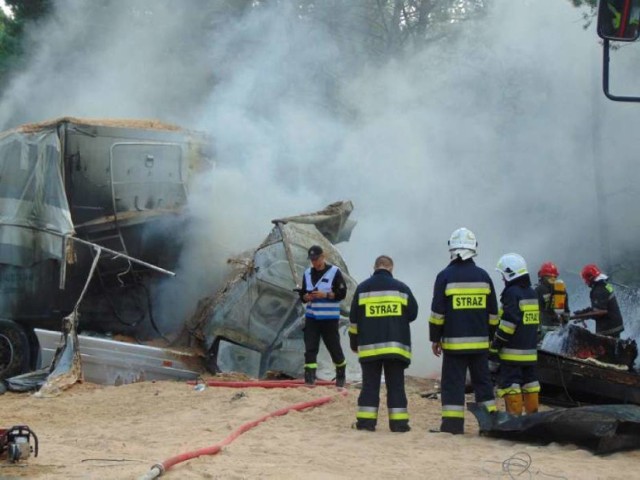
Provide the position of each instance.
(322, 309)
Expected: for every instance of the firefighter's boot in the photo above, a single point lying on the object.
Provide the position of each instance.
(513, 403)
(309, 376)
(341, 376)
(531, 402)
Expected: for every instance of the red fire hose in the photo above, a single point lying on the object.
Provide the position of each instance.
(262, 384)
(159, 469)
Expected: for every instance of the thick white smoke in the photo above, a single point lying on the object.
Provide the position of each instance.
(500, 126)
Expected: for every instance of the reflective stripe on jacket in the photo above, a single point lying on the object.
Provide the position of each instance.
(381, 311)
(516, 339)
(464, 309)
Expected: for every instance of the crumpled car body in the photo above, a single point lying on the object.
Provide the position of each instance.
(254, 322)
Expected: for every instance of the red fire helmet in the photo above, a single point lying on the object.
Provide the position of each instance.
(589, 273)
(548, 269)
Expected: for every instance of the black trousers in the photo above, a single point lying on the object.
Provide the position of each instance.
(520, 375)
(369, 398)
(454, 375)
(327, 330)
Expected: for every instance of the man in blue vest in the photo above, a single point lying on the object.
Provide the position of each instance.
(464, 314)
(379, 332)
(323, 288)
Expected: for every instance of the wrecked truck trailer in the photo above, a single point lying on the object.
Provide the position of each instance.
(254, 322)
(117, 184)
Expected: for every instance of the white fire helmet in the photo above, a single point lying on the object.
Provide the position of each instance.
(512, 266)
(463, 238)
(462, 244)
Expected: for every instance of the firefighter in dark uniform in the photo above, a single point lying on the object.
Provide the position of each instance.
(323, 287)
(553, 299)
(379, 332)
(604, 307)
(463, 317)
(515, 343)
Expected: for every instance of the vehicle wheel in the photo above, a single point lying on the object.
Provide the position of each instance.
(14, 349)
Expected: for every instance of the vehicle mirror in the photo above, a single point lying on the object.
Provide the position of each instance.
(619, 20)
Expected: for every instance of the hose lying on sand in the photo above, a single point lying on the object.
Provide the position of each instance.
(160, 468)
(261, 384)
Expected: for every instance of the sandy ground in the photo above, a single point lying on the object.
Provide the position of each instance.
(96, 432)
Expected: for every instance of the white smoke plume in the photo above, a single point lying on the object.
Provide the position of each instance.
(500, 126)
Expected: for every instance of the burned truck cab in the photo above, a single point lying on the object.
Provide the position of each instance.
(117, 184)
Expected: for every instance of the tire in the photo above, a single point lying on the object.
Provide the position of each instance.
(15, 354)
(35, 355)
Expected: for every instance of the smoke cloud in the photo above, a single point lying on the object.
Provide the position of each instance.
(499, 126)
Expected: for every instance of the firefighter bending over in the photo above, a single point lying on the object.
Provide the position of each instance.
(604, 307)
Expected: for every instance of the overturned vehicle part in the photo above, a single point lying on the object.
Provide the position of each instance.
(254, 322)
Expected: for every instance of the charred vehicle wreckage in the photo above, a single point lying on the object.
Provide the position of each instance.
(257, 317)
(595, 377)
(77, 192)
(576, 366)
(86, 212)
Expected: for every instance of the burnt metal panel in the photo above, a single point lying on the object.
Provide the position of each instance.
(147, 176)
(578, 381)
(112, 170)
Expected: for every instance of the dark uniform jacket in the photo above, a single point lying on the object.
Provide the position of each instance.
(603, 298)
(381, 311)
(517, 335)
(464, 309)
